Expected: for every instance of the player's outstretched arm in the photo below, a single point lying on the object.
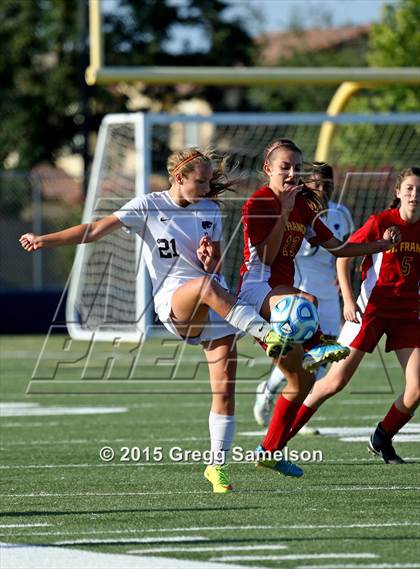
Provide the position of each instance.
(339, 249)
(84, 233)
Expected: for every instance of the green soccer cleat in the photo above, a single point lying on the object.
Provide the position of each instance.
(277, 346)
(328, 351)
(218, 476)
(283, 466)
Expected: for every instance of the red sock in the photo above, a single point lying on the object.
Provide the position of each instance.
(302, 417)
(281, 421)
(394, 420)
(314, 341)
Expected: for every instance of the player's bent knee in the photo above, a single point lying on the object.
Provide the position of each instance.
(204, 287)
(210, 290)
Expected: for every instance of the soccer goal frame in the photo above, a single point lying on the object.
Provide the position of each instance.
(141, 123)
(98, 72)
(110, 188)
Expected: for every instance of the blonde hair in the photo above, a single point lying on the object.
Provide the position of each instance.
(412, 171)
(185, 161)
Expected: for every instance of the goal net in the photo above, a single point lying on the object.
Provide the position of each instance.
(109, 292)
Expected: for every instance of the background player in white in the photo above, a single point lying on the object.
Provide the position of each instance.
(315, 273)
(181, 231)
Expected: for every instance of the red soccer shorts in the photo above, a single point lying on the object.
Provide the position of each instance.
(400, 332)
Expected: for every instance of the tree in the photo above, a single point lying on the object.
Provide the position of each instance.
(41, 68)
(395, 42)
(143, 37)
(39, 78)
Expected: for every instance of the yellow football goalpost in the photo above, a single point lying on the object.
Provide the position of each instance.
(350, 79)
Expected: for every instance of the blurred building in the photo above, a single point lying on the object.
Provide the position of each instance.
(278, 46)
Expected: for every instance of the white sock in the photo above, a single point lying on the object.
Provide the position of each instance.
(222, 429)
(247, 319)
(275, 383)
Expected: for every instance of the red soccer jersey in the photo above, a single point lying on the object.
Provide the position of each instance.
(259, 214)
(391, 279)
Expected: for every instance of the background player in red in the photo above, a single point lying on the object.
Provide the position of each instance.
(276, 219)
(315, 273)
(389, 303)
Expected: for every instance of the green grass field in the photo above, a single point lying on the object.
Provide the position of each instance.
(350, 510)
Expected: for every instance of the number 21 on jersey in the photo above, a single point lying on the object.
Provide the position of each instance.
(167, 248)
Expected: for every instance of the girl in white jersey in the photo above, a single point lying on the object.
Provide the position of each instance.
(181, 231)
(315, 273)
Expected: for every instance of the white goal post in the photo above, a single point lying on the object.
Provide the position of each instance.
(109, 292)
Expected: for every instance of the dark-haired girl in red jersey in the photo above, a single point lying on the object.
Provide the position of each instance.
(276, 219)
(389, 303)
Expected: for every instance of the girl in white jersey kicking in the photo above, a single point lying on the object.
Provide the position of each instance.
(315, 273)
(181, 231)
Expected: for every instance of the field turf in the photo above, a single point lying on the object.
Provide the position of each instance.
(349, 510)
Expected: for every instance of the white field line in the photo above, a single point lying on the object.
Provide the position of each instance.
(35, 466)
(171, 539)
(98, 441)
(5, 526)
(344, 418)
(295, 556)
(142, 531)
(109, 465)
(357, 460)
(205, 549)
(30, 425)
(366, 401)
(19, 556)
(180, 492)
(50, 411)
(139, 424)
(399, 438)
(410, 427)
(348, 526)
(164, 464)
(335, 419)
(362, 566)
(201, 403)
(221, 528)
(408, 430)
(17, 405)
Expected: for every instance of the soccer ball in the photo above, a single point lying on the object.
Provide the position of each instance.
(295, 318)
